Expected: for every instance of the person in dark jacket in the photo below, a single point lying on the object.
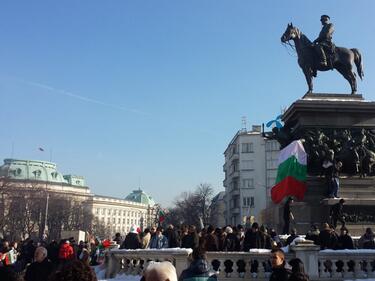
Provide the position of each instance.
(298, 271)
(231, 242)
(211, 243)
(336, 213)
(191, 240)
(266, 241)
(41, 268)
(313, 234)
(132, 240)
(287, 215)
(327, 238)
(279, 272)
(198, 269)
(344, 241)
(252, 238)
(118, 238)
(173, 237)
(292, 236)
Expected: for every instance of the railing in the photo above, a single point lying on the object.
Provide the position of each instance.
(253, 265)
(346, 264)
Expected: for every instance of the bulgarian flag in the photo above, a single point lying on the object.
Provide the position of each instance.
(161, 216)
(291, 173)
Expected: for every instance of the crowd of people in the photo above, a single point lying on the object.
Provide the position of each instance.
(39, 261)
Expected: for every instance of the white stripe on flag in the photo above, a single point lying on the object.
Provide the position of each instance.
(294, 148)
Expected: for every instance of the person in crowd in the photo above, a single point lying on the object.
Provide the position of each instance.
(344, 241)
(8, 274)
(275, 238)
(85, 256)
(146, 238)
(152, 231)
(118, 238)
(241, 235)
(327, 237)
(53, 253)
(287, 215)
(74, 271)
(159, 241)
(266, 241)
(367, 240)
(279, 272)
(231, 242)
(132, 240)
(298, 271)
(66, 252)
(41, 268)
(220, 235)
(313, 234)
(199, 269)
(292, 236)
(211, 243)
(191, 240)
(252, 238)
(172, 236)
(336, 213)
(27, 251)
(160, 271)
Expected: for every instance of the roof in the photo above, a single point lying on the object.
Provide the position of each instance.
(140, 197)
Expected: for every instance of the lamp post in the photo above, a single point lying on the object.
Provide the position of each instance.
(46, 217)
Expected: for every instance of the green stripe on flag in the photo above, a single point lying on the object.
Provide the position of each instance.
(291, 167)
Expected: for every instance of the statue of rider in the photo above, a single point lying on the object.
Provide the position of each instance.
(324, 40)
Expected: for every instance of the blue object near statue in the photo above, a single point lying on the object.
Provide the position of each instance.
(276, 121)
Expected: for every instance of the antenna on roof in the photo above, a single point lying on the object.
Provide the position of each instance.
(244, 124)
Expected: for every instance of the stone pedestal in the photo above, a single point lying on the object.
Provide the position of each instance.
(319, 119)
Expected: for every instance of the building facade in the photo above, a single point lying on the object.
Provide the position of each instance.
(52, 200)
(250, 171)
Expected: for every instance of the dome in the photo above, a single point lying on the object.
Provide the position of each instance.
(140, 197)
(35, 170)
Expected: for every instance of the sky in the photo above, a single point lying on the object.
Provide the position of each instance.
(148, 94)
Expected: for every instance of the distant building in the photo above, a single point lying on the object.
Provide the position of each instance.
(217, 209)
(250, 171)
(39, 182)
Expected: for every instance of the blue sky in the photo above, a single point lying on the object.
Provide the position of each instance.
(149, 93)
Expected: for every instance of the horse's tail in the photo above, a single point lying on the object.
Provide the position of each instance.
(358, 62)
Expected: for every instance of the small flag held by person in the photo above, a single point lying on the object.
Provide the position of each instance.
(291, 173)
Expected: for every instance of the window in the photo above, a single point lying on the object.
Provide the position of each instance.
(119, 221)
(113, 220)
(124, 213)
(108, 220)
(247, 164)
(248, 202)
(131, 221)
(248, 183)
(123, 221)
(114, 212)
(247, 147)
(103, 211)
(97, 211)
(109, 211)
(127, 221)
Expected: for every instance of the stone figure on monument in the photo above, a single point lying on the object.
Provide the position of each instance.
(322, 55)
(323, 44)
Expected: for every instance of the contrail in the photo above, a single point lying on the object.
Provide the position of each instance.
(79, 97)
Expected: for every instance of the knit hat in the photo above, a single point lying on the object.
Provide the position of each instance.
(228, 229)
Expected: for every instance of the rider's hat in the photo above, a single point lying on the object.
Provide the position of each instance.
(325, 16)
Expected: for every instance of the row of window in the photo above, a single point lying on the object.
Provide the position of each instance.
(119, 221)
(248, 202)
(115, 212)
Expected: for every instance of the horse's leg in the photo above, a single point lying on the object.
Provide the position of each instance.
(308, 77)
(348, 74)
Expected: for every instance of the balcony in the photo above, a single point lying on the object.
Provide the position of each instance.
(235, 192)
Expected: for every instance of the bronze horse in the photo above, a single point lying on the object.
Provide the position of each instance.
(308, 60)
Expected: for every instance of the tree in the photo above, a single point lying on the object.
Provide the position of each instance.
(192, 207)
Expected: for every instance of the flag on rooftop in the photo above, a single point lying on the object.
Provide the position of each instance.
(291, 173)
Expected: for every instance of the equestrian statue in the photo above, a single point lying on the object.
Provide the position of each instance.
(323, 55)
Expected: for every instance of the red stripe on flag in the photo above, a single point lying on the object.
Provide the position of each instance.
(289, 186)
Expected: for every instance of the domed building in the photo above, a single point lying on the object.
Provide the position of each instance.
(37, 193)
(140, 197)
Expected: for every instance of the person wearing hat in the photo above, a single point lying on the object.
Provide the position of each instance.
(132, 240)
(324, 40)
(336, 213)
